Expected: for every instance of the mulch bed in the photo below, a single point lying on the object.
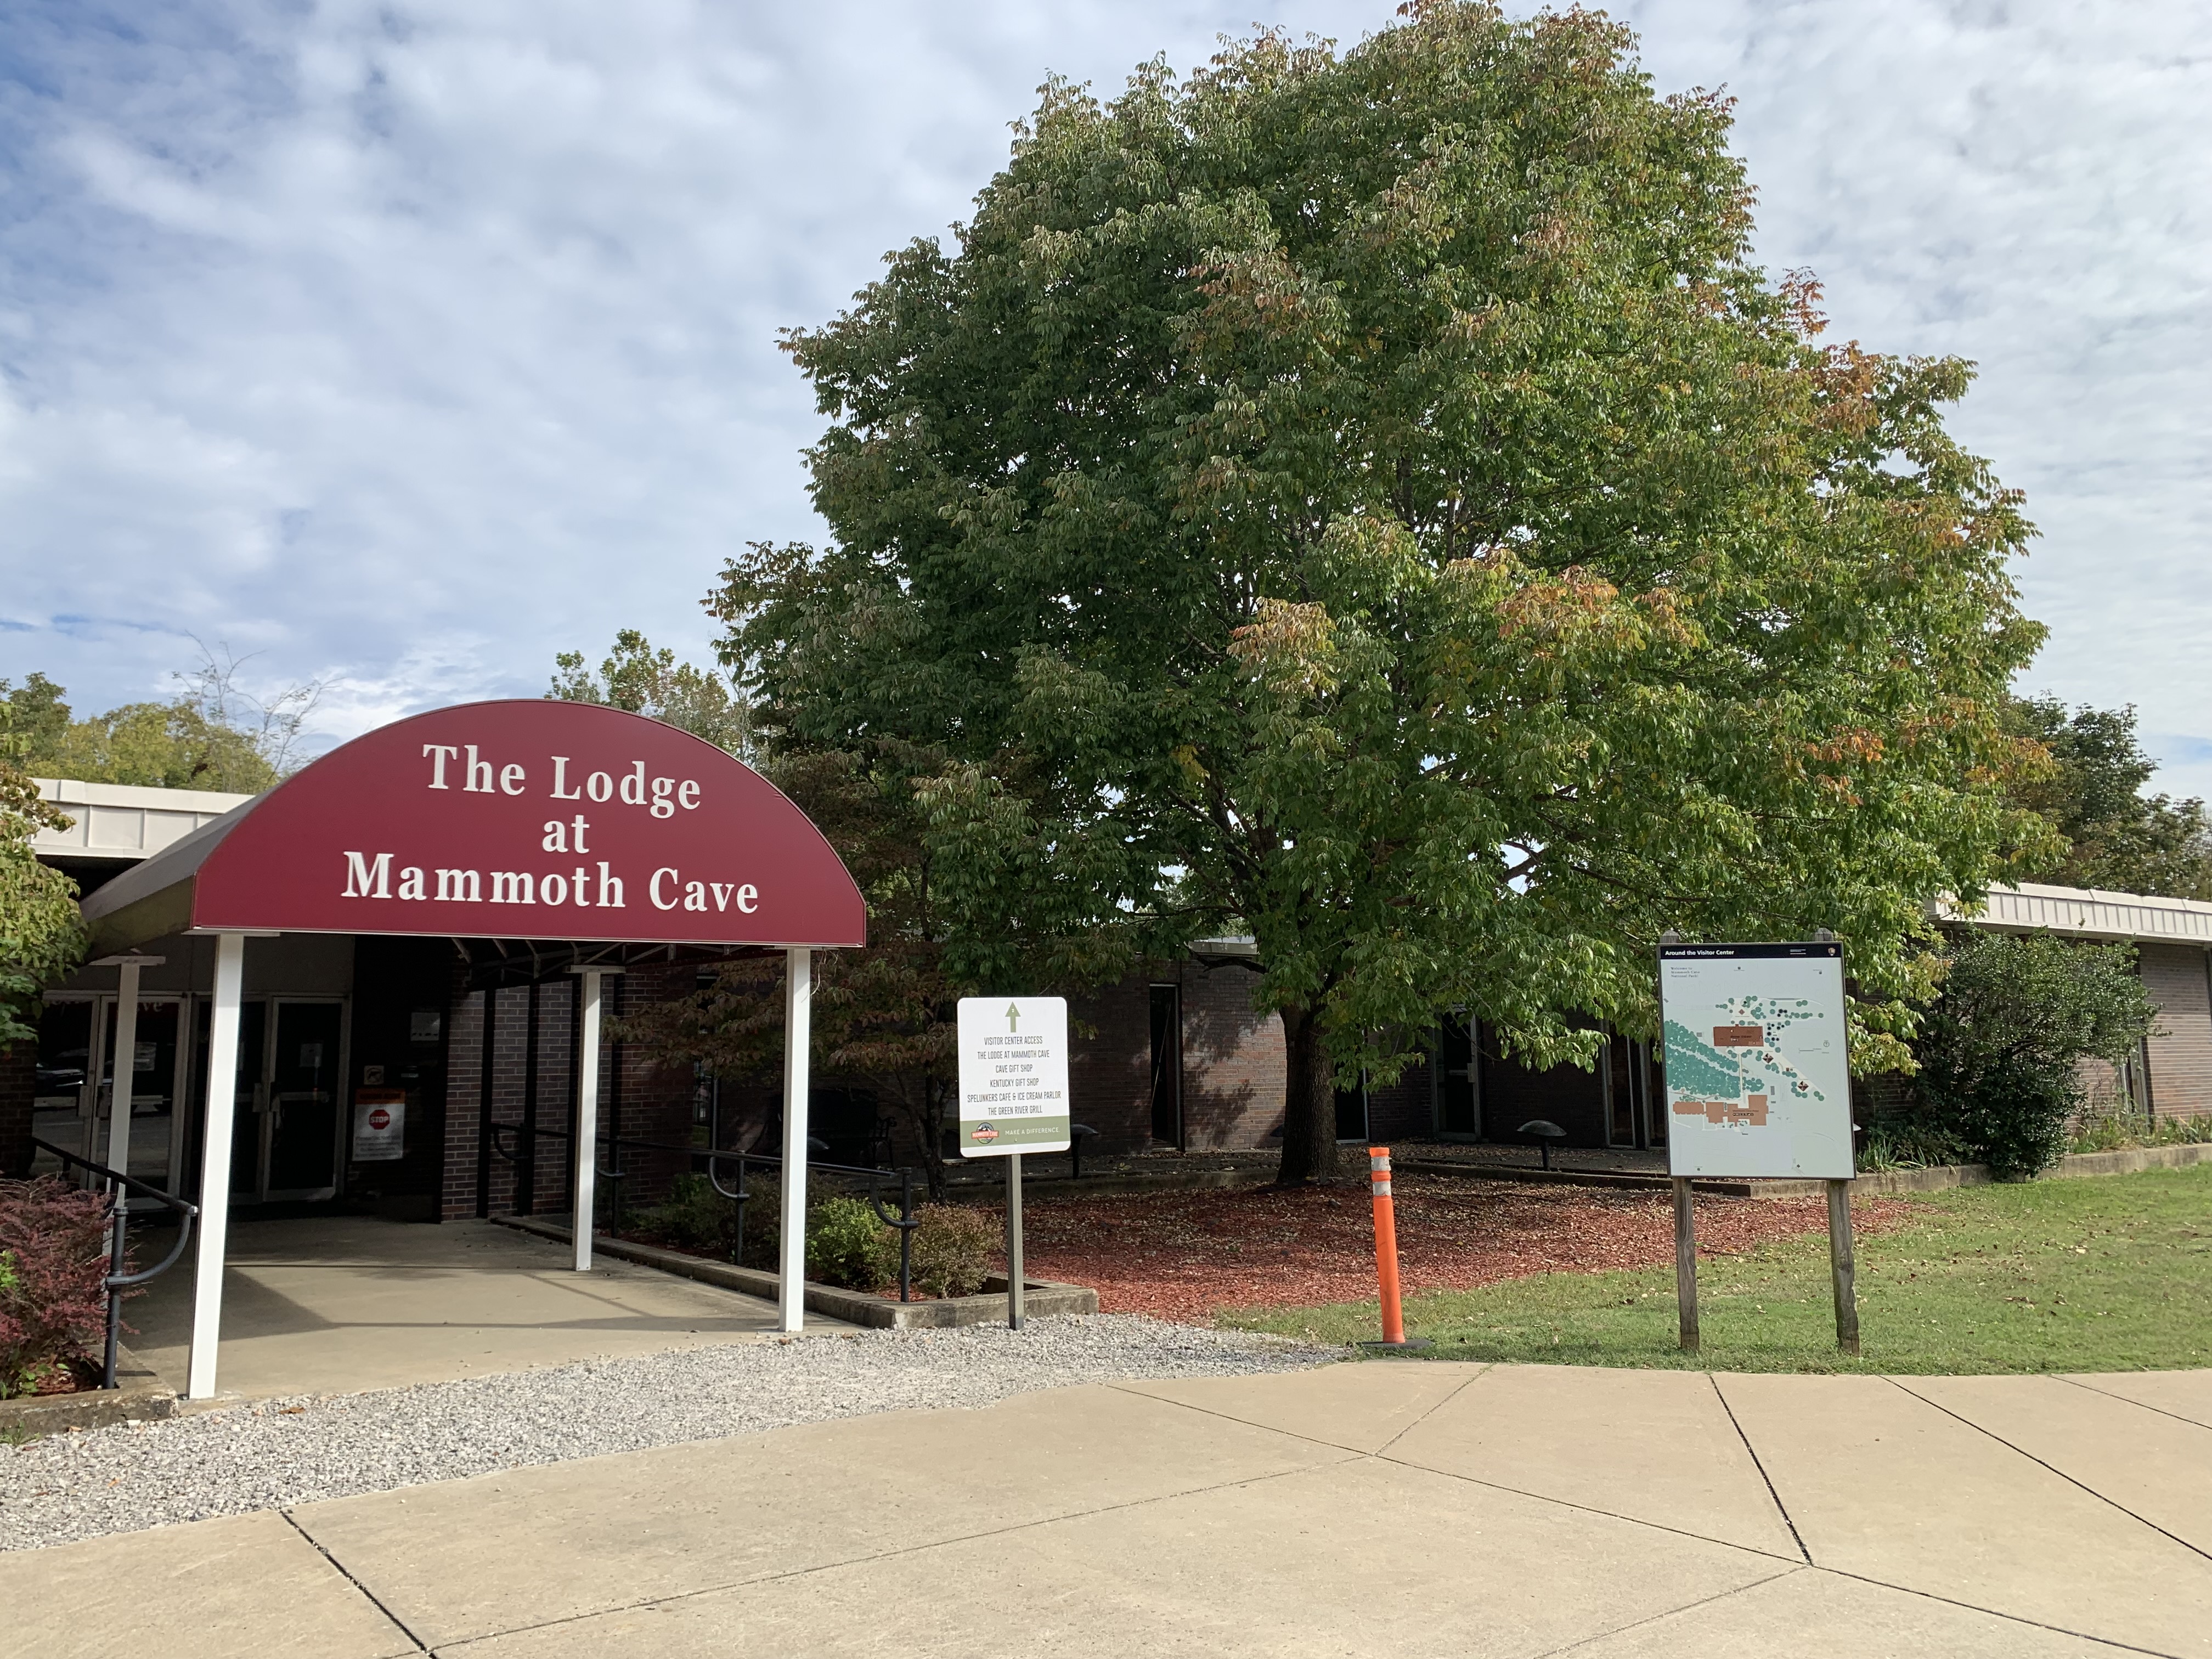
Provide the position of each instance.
(1190, 1256)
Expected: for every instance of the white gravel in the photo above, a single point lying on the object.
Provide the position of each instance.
(274, 1453)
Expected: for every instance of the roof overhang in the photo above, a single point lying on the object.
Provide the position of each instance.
(2087, 913)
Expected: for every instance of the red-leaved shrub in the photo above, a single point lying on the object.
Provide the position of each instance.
(53, 1268)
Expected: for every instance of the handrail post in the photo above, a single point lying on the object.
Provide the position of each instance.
(906, 1234)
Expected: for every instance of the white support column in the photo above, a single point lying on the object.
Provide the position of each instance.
(586, 1149)
(214, 1222)
(122, 1072)
(798, 1057)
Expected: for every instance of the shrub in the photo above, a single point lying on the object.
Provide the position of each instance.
(848, 1245)
(694, 1217)
(53, 1267)
(952, 1248)
(1999, 1050)
(1911, 1142)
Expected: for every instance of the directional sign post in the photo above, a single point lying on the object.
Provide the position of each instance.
(1758, 1084)
(1014, 1098)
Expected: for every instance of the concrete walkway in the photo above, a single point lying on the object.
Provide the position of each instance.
(1388, 1509)
(341, 1303)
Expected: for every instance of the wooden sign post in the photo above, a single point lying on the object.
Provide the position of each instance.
(1758, 1084)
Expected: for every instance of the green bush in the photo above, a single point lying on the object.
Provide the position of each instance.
(695, 1218)
(1999, 1052)
(848, 1245)
(952, 1248)
(1910, 1142)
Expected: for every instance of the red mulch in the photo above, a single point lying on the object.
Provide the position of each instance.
(1189, 1255)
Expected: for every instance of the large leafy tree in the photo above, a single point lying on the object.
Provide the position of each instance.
(41, 936)
(1373, 500)
(2111, 833)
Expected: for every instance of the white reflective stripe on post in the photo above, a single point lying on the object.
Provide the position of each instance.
(213, 1226)
(797, 1043)
(586, 1148)
(124, 1070)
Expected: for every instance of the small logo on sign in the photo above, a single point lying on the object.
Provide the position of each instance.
(984, 1132)
(380, 1118)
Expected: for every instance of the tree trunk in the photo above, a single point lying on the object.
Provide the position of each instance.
(1309, 1102)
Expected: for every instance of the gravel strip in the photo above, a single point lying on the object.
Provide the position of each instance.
(276, 1453)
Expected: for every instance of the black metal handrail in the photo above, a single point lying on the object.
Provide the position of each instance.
(117, 1280)
(905, 1222)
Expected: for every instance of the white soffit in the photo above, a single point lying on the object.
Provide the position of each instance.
(124, 822)
(2089, 913)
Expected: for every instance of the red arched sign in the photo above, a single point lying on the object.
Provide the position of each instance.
(531, 819)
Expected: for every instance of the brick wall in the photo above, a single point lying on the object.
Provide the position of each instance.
(1404, 1109)
(2181, 1058)
(1232, 1062)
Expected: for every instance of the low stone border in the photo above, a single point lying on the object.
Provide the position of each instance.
(1943, 1176)
(1039, 1296)
(140, 1395)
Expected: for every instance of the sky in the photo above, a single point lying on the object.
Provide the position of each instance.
(402, 345)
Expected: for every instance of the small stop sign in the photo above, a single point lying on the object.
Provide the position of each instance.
(380, 1118)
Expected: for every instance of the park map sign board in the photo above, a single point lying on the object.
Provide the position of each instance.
(1758, 1069)
(1013, 1076)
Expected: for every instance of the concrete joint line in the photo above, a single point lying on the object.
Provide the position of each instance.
(1999, 1612)
(1434, 1409)
(1241, 1422)
(2106, 1394)
(340, 1568)
(1675, 1612)
(1589, 1508)
(1760, 1463)
(2023, 1452)
(851, 1561)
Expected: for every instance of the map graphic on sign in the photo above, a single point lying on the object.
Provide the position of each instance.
(1757, 1066)
(1013, 1076)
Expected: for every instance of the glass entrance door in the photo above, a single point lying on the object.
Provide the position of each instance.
(301, 1121)
(152, 1090)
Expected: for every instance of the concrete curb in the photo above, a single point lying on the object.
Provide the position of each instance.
(140, 1396)
(1942, 1178)
(1039, 1296)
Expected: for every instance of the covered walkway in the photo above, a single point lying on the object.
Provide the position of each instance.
(339, 1303)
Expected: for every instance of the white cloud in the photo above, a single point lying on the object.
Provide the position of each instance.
(410, 343)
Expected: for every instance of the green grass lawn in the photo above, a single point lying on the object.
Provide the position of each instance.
(2111, 1273)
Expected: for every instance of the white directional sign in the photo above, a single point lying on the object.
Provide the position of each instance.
(1013, 1076)
(1758, 1078)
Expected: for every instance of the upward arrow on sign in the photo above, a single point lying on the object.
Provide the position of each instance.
(1013, 1015)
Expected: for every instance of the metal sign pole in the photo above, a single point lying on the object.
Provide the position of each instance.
(1014, 1243)
(1842, 1267)
(1685, 1264)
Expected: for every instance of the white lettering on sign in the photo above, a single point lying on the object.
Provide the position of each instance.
(364, 880)
(438, 754)
(561, 790)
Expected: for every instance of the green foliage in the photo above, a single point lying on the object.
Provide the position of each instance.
(1373, 499)
(2000, 1051)
(642, 680)
(953, 1249)
(42, 937)
(1911, 1142)
(2113, 835)
(848, 1245)
(695, 1218)
(2120, 1127)
(213, 734)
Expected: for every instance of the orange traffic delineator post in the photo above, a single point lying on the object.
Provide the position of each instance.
(1386, 1256)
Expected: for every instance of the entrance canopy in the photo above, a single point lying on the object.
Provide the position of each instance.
(523, 820)
(527, 832)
